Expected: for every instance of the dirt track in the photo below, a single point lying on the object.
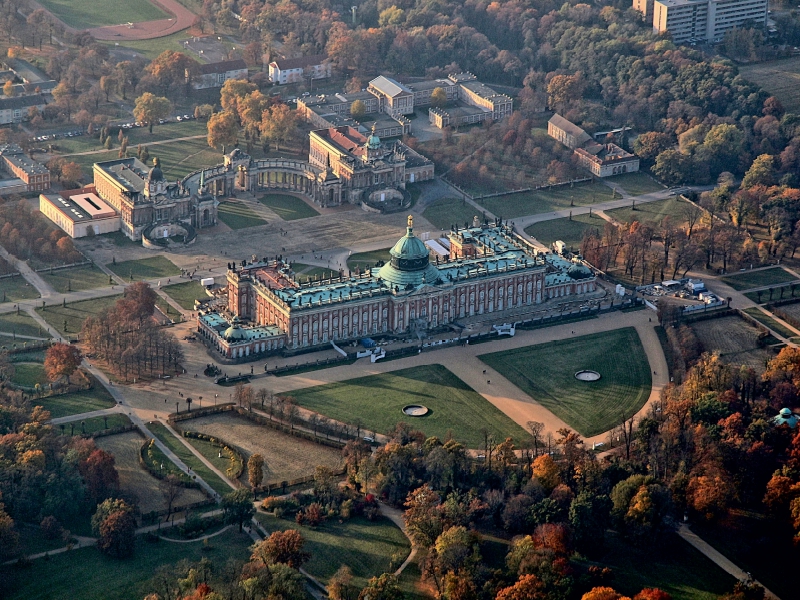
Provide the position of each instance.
(146, 30)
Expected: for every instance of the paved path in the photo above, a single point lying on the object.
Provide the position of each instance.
(31, 276)
(199, 456)
(118, 409)
(395, 515)
(717, 557)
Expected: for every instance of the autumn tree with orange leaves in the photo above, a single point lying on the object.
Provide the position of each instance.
(61, 360)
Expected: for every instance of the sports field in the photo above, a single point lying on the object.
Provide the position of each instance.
(546, 372)
(377, 401)
(288, 207)
(84, 14)
(781, 78)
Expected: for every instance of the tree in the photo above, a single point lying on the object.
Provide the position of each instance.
(237, 507)
(9, 538)
(255, 470)
(61, 360)
(203, 111)
(118, 534)
(107, 85)
(422, 517)
(546, 472)
(438, 97)
(589, 519)
(384, 587)
(279, 124)
(169, 70)
(528, 587)
(285, 583)
(281, 547)
(761, 172)
(562, 90)
(649, 145)
(339, 585)
(172, 489)
(358, 109)
(603, 593)
(223, 130)
(104, 511)
(8, 89)
(100, 475)
(150, 108)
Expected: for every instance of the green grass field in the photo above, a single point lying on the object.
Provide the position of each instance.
(154, 267)
(779, 292)
(781, 78)
(84, 14)
(369, 548)
(186, 293)
(288, 207)
(212, 453)
(86, 573)
(768, 321)
(22, 324)
(28, 374)
(93, 424)
(652, 213)
(238, 216)
(305, 272)
(75, 280)
(14, 289)
(377, 400)
(445, 212)
(569, 232)
(367, 260)
(637, 183)
(137, 135)
(153, 47)
(547, 373)
(76, 403)
(754, 279)
(75, 313)
(189, 459)
(532, 203)
(674, 567)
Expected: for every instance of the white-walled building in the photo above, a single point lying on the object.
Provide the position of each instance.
(704, 20)
(297, 70)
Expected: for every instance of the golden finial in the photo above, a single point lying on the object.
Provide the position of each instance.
(410, 220)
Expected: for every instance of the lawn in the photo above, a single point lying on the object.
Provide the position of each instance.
(186, 293)
(446, 212)
(769, 322)
(568, 231)
(285, 457)
(637, 183)
(652, 213)
(14, 289)
(238, 216)
(94, 424)
(86, 573)
(305, 272)
(153, 47)
(760, 278)
(369, 548)
(68, 320)
(188, 458)
(28, 374)
(134, 479)
(672, 566)
(778, 292)
(63, 405)
(84, 14)
(546, 372)
(377, 401)
(288, 207)
(137, 135)
(21, 324)
(142, 269)
(781, 78)
(540, 201)
(367, 260)
(77, 279)
(212, 453)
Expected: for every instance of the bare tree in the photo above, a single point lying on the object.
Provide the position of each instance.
(172, 490)
(536, 428)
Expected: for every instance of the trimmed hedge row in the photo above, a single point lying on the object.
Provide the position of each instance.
(237, 460)
(151, 465)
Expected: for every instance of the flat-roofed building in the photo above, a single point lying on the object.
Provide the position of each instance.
(393, 97)
(705, 20)
(214, 75)
(34, 175)
(297, 70)
(79, 214)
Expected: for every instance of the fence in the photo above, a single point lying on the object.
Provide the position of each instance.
(153, 515)
(52, 268)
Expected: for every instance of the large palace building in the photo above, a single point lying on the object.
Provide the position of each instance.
(489, 269)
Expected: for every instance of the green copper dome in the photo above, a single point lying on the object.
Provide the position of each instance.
(373, 141)
(410, 263)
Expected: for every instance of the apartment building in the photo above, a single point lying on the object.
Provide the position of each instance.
(703, 20)
(297, 70)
